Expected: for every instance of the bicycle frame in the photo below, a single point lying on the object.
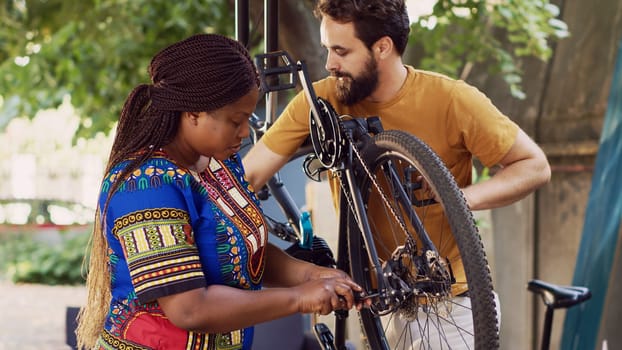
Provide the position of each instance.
(268, 65)
(344, 162)
(273, 66)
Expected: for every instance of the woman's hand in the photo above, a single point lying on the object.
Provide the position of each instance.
(316, 287)
(320, 272)
(324, 295)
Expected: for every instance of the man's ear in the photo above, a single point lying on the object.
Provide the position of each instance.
(383, 47)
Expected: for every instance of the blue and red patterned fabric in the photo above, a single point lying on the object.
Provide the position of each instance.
(171, 231)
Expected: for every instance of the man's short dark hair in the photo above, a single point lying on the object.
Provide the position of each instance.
(372, 19)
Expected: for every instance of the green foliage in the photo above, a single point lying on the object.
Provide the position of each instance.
(94, 50)
(481, 176)
(26, 260)
(461, 33)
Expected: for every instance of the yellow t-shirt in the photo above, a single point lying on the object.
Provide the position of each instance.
(455, 119)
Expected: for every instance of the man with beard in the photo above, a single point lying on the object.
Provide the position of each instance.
(365, 40)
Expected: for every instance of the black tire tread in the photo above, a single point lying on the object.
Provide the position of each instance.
(460, 220)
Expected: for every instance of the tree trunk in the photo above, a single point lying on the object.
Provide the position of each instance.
(299, 25)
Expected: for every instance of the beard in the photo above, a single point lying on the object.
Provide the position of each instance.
(351, 90)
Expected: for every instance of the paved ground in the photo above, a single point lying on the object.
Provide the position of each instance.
(33, 316)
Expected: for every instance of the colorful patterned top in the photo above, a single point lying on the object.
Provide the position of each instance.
(170, 231)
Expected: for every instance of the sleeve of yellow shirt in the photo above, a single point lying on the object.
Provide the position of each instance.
(486, 132)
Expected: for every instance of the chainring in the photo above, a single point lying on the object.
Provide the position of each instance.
(326, 135)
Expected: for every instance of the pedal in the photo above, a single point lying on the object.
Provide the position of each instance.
(324, 336)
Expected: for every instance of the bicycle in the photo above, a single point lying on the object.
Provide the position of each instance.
(384, 218)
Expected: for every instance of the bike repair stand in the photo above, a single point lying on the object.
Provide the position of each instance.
(242, 20)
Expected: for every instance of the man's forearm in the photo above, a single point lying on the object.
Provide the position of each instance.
(508, 185)
(260, 164)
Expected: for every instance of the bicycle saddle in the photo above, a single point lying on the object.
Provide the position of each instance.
(557, 296)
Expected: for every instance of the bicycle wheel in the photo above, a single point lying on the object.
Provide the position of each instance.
(418, 307)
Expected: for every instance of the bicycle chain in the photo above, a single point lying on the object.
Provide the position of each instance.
(408, 242)
(371, 177)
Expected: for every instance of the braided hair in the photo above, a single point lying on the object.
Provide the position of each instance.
(199, 74)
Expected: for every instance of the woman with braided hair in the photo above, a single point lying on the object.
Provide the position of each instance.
(179, 251)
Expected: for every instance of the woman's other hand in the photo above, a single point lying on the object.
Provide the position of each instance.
(326, 272)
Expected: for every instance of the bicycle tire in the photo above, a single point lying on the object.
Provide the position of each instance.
(406, 151)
